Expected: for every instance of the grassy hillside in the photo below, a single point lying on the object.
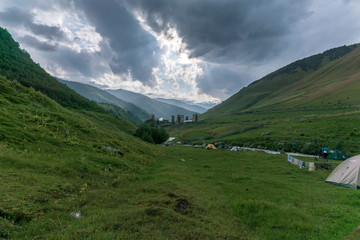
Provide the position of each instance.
(16, 64)
(52, 161)
(159, 109)
(28, 116)
(320, 81)
(101, 96)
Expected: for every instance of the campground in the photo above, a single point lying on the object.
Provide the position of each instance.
(283, 201)
(239, 195)
(186, 193)
(249, 195)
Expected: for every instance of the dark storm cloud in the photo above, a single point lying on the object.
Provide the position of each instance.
(77, 65)
(39, 4)
(227, 30)
(16, 17)
(134, 48)
(40, 45)
(221, 81)
(82, 62)
(50, 32)
(235, 41)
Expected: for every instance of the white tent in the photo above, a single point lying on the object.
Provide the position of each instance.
(347, 173)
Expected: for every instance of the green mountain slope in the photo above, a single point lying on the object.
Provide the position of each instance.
(29, 116)
(324, 80)
(159, 109)
(53, 160)
(101, 96)
(119, 112)
(16, 64)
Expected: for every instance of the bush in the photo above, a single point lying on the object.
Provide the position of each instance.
(309, 148)
(323, 166)
(151, 134)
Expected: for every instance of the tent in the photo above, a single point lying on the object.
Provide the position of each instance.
(210, 146)
(347, 173)
(337, 155)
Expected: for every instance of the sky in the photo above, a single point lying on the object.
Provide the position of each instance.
(197, 50)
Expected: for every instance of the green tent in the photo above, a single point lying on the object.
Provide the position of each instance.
(337, 155)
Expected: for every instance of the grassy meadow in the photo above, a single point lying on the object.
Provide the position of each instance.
(187, 193)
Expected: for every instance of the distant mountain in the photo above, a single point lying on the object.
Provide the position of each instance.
(327, 80)
(16, 64)
(159, 109)
(179, 103)
(101, 96)
(206, 105)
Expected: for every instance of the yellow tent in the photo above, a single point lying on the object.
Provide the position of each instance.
(210, 146)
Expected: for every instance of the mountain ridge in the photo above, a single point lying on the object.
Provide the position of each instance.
(179, 103)
(159, 109)
(300, 84)
(102, 96)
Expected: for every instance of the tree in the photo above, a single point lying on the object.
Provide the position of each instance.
(151, 134)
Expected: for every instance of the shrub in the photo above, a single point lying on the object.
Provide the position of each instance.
(323, 166)
(151, 134)
(309, 148)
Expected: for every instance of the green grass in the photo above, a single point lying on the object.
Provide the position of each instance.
(214, 194)
(50, 154)
(292, 131)
(30, 120)
(271, 197)
(39, 190)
